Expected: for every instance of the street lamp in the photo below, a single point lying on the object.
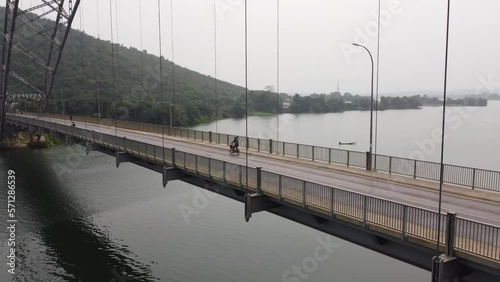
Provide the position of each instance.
(98, 101)
(369, 161)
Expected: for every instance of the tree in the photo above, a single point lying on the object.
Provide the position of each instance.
(237, 110)
(269, 89)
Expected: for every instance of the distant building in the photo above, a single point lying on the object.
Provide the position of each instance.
(286, 104)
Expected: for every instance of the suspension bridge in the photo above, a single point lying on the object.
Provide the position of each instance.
(384, 203)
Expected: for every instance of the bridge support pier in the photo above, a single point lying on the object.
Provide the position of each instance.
(122, 157)
(257, 203)
(68, 140)
(170, 173)
(446, 269)
(90, 147)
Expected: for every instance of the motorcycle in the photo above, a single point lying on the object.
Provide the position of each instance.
(234, 151)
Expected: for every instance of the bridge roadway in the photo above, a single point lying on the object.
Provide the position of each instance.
(472, 208)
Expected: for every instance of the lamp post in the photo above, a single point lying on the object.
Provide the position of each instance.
(98, 101)
(369, 160)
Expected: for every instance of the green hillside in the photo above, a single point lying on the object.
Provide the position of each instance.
(137, 86)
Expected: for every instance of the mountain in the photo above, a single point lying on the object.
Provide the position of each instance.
(136, 83)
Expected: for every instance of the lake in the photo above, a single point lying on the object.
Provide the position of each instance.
(82, 219)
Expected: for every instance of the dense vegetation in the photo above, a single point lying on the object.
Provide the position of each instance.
(469, 101)
(136, 91)
(335, 102)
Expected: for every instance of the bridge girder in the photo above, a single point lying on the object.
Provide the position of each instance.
(33, 42)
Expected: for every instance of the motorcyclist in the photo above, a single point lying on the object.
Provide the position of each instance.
(234, 145)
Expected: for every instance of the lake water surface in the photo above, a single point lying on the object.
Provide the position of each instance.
(82, 219)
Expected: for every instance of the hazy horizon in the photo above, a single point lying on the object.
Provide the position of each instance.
(315, 41)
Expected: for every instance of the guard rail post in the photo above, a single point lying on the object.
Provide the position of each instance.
(369, 161)
(450, 233)
(259, 180)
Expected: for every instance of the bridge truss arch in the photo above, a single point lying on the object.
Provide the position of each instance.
(31, 41)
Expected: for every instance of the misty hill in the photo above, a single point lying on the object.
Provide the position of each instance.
(137, 84)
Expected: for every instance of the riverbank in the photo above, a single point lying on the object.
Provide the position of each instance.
(15, 139)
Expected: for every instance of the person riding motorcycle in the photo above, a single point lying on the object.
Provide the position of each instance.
(234, 145)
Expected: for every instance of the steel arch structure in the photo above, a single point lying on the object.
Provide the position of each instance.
(32, 41)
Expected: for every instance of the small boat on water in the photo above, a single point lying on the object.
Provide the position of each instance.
(347, 143)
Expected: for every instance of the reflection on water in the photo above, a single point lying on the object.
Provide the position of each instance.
(57, 239)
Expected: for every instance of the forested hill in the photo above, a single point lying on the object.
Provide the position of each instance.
(137, 85)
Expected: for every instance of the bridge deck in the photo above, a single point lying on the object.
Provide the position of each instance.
(483, 206)
(403, 209)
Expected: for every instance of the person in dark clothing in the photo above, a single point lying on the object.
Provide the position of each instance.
(71, 117)
(234, 145)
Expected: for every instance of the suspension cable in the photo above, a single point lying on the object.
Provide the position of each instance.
(246, 92)
(97, 72)
(161, 79)
(378, 68)
(112, 43)
(82, 51)
(113, 60)
(142, 50)
(277, 70)
(215, 77)
(117, 38)
(81, 38)
(173, 61)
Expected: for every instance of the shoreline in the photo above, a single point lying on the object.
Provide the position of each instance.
(19, 139)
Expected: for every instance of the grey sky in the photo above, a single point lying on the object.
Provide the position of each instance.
(315, 38)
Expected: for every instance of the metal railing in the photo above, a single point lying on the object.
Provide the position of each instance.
(474, 178)
(480, 239)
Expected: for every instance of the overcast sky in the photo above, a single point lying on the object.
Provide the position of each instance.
(315, 40)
